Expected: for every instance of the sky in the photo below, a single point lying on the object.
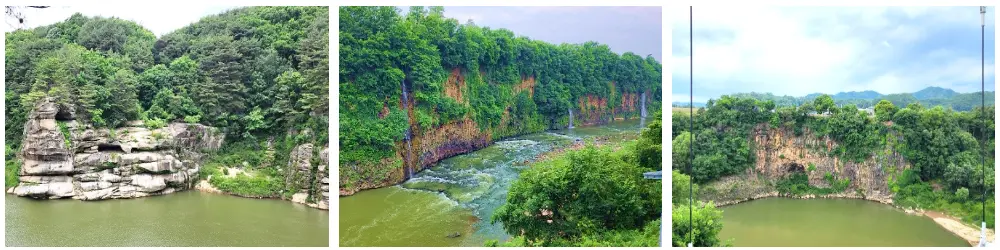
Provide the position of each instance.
(624, 29)
(801, 50)
(158, 19)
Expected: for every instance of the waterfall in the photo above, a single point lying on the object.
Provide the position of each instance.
(408, 135)
(570, 118)
(642, 105)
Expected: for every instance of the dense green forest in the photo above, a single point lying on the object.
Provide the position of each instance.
(259, 74)
(929, 97)
(943, 146)
(595, 196)
(383, 51)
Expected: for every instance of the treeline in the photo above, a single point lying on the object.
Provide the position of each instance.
(383, 51)
(595, 196)
(943, 146)
(929, 97)
(249, 71)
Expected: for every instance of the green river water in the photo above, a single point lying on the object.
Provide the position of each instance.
(457, 195)
(188, 218)
(784, 222)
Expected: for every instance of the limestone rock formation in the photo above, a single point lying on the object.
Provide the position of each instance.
(310, 184)
(780, 153)
(65, 159)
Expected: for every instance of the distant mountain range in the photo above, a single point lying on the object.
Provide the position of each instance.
(928, 97)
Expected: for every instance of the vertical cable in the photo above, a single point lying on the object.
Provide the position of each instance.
(982, 85)
(691, 123)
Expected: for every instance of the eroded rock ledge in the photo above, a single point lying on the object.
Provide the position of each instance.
(65, 159)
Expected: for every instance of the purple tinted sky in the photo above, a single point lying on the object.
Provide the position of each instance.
(623, 29)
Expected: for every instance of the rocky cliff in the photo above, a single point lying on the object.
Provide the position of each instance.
(65, 159)
(780, 153)
(310, 184)
(429, 146)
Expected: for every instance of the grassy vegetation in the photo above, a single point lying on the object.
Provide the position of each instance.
(249, 186)
(67, 136)
(11, 167)
(913, 193)
(797, 184)
(249, 156)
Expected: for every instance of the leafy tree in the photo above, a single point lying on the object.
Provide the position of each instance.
(823, 104)
(707, 222)
(884, 110)
(573, 195)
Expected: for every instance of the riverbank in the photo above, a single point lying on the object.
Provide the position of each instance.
(300, 198)
(772, 194)
(954, 225)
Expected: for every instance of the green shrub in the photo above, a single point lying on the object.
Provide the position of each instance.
(11, 171)
(67, 136)
(249, 186)
(192, 118)
(155, 123)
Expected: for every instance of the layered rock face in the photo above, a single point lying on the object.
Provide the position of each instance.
(64, 159)
(780, 153)
(311, 186)
(429, 146)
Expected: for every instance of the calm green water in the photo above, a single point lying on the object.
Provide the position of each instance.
(829, 222)
(187, 218)
(457, 195)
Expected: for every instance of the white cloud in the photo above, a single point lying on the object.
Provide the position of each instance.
(798, 51)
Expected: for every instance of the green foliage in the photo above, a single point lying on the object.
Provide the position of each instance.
(249, 186)
(797, 184)
(12, 167)
(824, 104)
(962, 194)
(67, 136)
(648, 148)
(884, 110)
(812, 167)
(681, 151)
(583, 193)
(707, 222)
(215, 71)
(383, 52)
(682, 188)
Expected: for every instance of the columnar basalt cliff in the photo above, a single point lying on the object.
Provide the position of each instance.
(429, 146)
(779, 153)
(594, 110)
(65, 159)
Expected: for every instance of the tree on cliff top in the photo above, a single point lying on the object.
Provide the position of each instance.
(824, 103)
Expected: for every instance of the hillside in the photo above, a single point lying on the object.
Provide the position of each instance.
(912, 156)
(930, 97)
(422, 87)
(257, 76)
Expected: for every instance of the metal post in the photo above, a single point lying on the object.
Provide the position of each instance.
(691, 125)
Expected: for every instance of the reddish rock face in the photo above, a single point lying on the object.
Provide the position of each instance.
(462, 136)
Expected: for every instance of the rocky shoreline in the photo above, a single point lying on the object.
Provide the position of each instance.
(883, 200)
(62, 158)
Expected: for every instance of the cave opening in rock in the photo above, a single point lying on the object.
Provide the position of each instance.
(64, 115)
(110, 148)
(794, 167)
